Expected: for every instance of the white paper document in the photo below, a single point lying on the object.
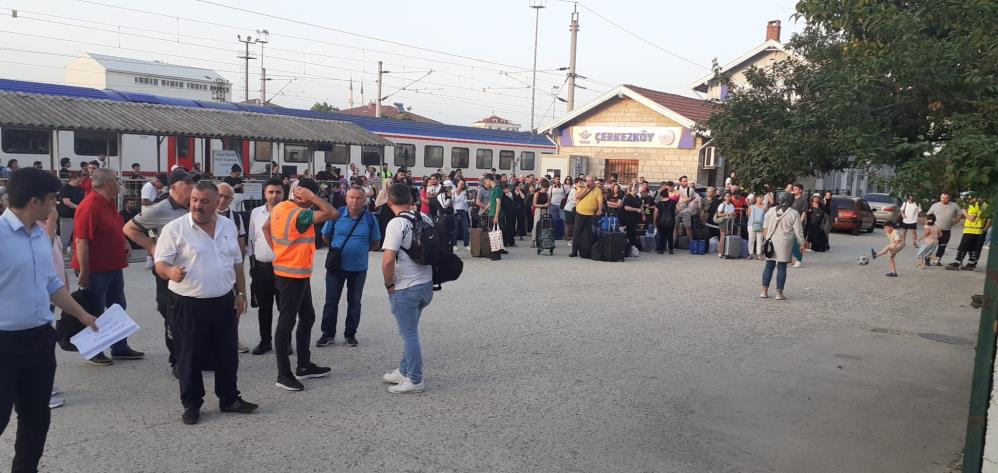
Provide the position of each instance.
(114, 325)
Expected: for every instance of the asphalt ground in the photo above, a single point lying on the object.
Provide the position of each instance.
(556, 364)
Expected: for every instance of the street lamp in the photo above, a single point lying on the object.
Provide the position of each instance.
(537, 5)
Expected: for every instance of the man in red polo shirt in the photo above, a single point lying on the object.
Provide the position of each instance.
(101, 252)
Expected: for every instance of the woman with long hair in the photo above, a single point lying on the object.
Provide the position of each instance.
(462, 220)
(814, 225)
(614, 204)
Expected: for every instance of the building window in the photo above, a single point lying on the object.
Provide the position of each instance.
(433, 157)
(95, 143)
(527, 160)
(22, 141)
(483, 159)
(506, 159)
(296, 153)
(405, 154)
(459, 158)
(624, 169)
(264, 151)
(339, 154)
(372, 155)
(146, 81)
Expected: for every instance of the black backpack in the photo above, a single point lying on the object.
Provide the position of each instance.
(432, 248)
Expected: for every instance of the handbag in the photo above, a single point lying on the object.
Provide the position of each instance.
(768, 249)
(495, 239)
(334, 258)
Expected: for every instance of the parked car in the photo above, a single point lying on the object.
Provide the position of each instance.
(886, 208)
(852, 214)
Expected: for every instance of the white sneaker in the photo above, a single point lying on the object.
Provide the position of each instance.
(55, 401)
(763, 295)
(395, 377)
(406, 387)
(456, 248)
(797, 264)
(242, 348)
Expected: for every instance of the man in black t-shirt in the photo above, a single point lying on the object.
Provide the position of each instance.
(69, 198)
(235, 179)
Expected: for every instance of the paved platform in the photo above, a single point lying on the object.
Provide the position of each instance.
(539, 363)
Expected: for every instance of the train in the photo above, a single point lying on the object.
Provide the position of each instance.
(421, 147)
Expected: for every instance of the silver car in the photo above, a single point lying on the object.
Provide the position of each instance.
(885, 206)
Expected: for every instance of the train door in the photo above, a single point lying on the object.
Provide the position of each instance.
(180, 150)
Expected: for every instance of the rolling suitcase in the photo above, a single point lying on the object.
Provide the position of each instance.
(480, 246)
(614, 245)
(545, 239)
(683, 243)
(732, 242)
(745, 248)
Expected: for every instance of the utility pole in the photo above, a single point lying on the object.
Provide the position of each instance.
(537, 5)
(262, 37)
(574, 28)
(249, 40)
(377, 104)
(350, 95)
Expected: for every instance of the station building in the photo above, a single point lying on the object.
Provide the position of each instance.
(630, 132)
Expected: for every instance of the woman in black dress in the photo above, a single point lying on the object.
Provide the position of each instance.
(814, 225)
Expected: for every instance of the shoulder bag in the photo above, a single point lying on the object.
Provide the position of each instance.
(334, 258)
(768, 250)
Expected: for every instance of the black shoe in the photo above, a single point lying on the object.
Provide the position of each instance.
(573, 255)
(873, 254)
(175, 371)
(968, 267)
(312, 371)
(262, 348)
(191, 416)
(661, 252)
(503, 252)
(240, 406)
(671, 252)
(325, 340)
(953, 266)
(128, 354)
(351, 342)
(289, 383)
(101, 360)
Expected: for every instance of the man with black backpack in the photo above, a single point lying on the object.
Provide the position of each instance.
(409, 282)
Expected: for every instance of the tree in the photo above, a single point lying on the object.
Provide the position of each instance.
(323, 107)
(904, 84)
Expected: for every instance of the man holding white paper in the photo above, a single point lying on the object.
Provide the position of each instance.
(199, 255)
(28, 283)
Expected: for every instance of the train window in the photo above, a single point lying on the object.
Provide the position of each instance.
(459, 158)
(506, 159)
(527, 160)
(95, 143)
(296, 153)
(21, 141)
(433, 156)
(264, 152)
(405, 154)
(183, 147)
(372, 155)
(483, 159)
(339, 154)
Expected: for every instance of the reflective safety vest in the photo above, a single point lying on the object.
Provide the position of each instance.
(975, 227)
(293, 250)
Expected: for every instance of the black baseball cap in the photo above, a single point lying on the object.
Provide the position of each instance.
(179, 175)
(309, 184)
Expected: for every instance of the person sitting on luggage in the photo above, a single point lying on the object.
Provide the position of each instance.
(724, 214)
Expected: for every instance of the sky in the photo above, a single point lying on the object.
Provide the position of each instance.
(480, 52)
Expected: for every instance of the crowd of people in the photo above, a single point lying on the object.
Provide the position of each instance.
(198, 239)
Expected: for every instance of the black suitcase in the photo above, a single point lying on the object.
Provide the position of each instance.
(614, 245)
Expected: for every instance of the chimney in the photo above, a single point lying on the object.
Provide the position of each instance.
(773, 30)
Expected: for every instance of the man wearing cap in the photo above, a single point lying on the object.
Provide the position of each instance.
(152, 219)
(290, 232)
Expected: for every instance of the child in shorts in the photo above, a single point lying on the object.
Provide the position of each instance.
(928, 243)
(895, 245)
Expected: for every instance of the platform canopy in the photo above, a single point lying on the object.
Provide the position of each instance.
(83, 114)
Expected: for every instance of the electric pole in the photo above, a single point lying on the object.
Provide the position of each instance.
(537, 5)
(262, 37)
(377, 104)
(249, 40)
(574, 28)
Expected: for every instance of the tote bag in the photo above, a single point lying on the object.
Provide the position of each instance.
(495, 239)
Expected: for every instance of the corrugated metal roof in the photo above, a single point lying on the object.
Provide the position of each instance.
(384, 126)
(74, 113)
(155, 68)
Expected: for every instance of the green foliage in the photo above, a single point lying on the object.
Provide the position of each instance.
(323, 107)
(909, 85)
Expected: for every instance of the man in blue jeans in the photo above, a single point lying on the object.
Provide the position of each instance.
(101, 252)
(410, 290)
(354, 233)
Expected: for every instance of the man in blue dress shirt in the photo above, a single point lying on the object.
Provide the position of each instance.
(28, 284)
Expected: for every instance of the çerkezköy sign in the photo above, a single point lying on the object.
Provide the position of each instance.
(634, 137)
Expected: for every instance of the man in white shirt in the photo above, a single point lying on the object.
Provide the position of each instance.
(410, 290)
(262, 264)
(909, 219)
(200, 256)
(152, 189)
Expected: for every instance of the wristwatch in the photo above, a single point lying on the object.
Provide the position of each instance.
(389, 286)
